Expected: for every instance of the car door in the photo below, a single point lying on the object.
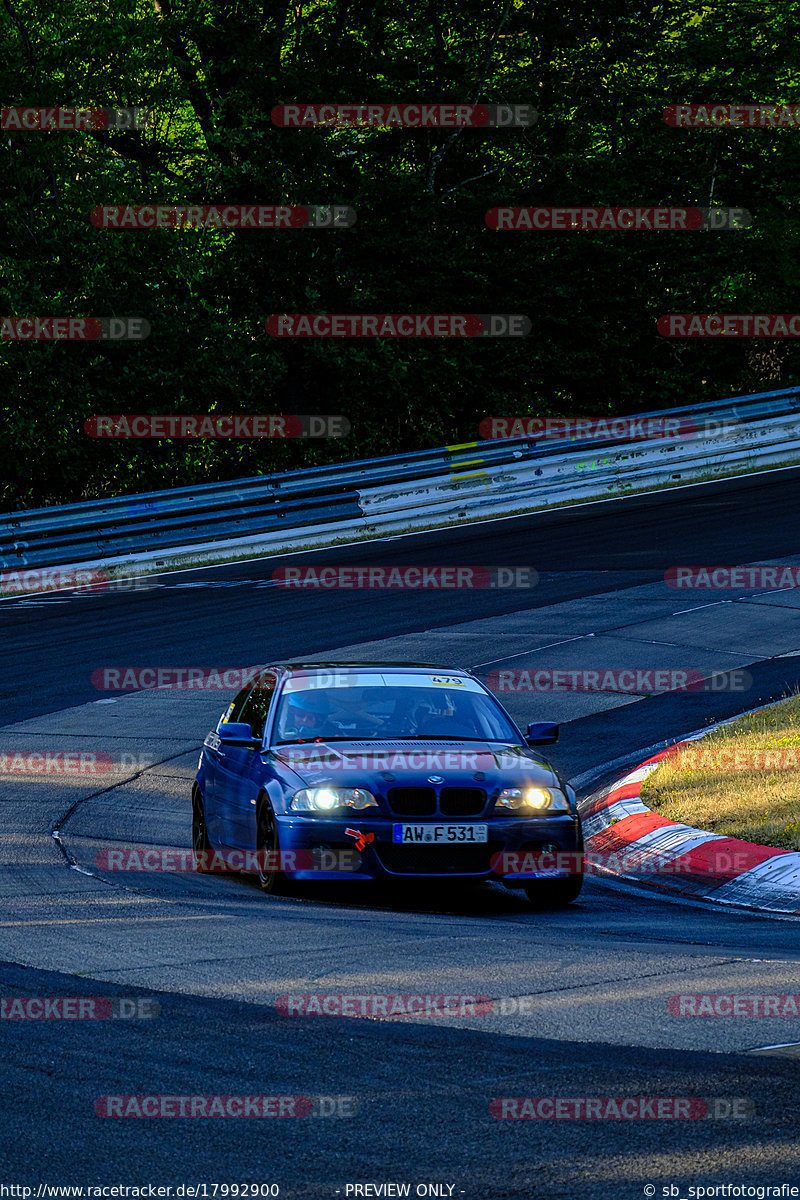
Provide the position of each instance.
(214, 757)
(241, 770)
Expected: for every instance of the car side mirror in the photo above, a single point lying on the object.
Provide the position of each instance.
(542, 733)
(238, 733)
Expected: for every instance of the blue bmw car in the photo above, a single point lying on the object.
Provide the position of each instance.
(383, 771)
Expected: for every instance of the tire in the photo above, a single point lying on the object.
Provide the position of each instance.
(272, 882)
(555, 893)
(201, 846)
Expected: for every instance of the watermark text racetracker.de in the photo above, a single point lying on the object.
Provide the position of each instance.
(222, 216)
(72, 763)
(733, 116)
(226, 1106)
(332, 759)
(171, 860)
(646, 681)
(403, 113)
(155, 426)
(73, 329)
(78, 1008)
(36, 120)
(732, 758)
(729, 325)
(415, 578)
(602, 429)
(30, 581)
(634, 861)
(609, 220)
(732, 1004)
(759, 576)
(621, 1108)
(397, 325)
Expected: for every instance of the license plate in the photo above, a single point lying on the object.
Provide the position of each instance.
(408, 835)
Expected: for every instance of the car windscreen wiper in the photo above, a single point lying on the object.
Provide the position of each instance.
(446, 737)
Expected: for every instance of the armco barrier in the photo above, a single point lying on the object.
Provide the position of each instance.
(320, 505)
(589, 473)
(129, 526)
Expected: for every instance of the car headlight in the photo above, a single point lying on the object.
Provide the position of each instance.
(532, 799)
(328, 799)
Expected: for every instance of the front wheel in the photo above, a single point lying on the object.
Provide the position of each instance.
(270, 878)
(555, 893)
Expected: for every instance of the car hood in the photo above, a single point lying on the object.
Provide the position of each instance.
(375, 765)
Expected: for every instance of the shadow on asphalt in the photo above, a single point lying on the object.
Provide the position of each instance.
(483, 899)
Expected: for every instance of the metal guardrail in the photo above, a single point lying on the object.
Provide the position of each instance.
(422, 486)
(213, 512)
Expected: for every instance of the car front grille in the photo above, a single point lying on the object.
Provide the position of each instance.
(462, 801)
(421, 802)
(412, 801)
(437, 860)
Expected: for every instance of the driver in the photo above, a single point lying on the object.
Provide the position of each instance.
(307, 713)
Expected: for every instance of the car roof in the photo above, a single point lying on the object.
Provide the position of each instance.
(403, 667)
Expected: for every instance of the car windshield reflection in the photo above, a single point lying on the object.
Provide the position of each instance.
(371, 713)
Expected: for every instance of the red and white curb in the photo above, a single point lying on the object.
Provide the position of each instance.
(620, 830)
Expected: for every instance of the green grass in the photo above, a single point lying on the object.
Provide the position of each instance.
(729, 784)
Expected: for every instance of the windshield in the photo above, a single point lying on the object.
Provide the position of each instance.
(414, 708)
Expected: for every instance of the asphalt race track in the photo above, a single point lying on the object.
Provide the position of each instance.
(582, 995)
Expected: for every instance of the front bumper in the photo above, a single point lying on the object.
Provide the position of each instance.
(513, 845)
